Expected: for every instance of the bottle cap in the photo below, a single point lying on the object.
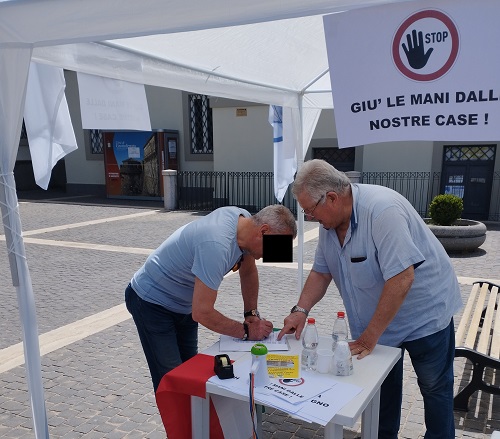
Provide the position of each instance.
(311, 320)
(341, 314)
(259, 349)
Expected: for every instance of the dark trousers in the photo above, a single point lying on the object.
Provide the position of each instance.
(432, 359)
(168, 338)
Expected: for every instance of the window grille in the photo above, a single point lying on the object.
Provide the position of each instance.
(463, 153)
(96, 142)
(335, 154)
(200, 122)
(342, 159)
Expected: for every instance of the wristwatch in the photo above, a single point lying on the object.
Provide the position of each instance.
(298, 308)
(253, 312)
(245, 327)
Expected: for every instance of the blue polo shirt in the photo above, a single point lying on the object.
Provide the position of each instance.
(386, 236)
(206, 248)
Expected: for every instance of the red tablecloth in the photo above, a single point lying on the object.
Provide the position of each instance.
(174, 392)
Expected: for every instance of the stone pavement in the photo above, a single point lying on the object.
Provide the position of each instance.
(81, 254)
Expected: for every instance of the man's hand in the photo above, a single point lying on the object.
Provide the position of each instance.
(294, 323)
(361, 347)
(252, 319)
(393, 295)
(258, 329)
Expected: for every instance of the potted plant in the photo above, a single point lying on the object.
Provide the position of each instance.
(454, 233)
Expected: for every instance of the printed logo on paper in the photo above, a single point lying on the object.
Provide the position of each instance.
(292, 382)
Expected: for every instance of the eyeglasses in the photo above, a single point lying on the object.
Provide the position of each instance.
(310, 212)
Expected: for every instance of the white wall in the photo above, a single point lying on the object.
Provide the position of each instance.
(398, 156)
(325, 129)
(165, 108)
(242, 143)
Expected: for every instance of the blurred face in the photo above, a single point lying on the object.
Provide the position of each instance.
(257, 249)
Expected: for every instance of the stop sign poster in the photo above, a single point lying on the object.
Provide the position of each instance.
(418, 70)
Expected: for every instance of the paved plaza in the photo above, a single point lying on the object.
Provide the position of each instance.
(82, 253)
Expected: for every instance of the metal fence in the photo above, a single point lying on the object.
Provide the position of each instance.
(200, 190)
(419, 188)
(205, 190)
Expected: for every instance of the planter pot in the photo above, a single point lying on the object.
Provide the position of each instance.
(463, 236)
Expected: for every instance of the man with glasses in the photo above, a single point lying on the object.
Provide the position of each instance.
(310, 213)
(397, 283)
(176, 288)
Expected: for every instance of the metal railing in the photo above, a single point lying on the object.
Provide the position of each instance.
(419, 188)
(206, 190)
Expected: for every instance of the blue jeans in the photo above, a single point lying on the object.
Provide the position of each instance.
(432, 359)
(168, 338)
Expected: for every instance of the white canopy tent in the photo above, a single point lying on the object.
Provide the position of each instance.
(267, 51)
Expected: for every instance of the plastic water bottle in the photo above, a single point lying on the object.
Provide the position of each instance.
(340, 331)
(310, 342)
(342, 359)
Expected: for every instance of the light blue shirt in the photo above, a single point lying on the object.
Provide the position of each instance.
(206, 248)
(386, 236)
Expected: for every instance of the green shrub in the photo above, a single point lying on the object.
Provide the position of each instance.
(445, 209)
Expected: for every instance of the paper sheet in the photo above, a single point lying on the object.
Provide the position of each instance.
(228, 344)
(318, 401)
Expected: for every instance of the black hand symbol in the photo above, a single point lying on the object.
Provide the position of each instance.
(415, 51)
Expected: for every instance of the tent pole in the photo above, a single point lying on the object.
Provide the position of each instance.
(22, 281)
(14, 68)
(300, 216)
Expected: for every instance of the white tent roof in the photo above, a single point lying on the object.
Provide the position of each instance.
(268, 51)
(270, 62)
(262, 51)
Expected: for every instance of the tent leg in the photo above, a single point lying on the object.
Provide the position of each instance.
(22, 281)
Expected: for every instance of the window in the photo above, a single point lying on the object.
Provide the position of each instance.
(200, 124)
(96, 142)
(342, 159)
(473, 152)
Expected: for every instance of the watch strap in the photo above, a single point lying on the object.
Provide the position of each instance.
(251, 313)
(298, 308)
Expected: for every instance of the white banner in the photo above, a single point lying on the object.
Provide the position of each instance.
(48, 123)
(418, 70)
(110, 104)
(285, 161)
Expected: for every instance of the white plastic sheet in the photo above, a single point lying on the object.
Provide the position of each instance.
(48, 123)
